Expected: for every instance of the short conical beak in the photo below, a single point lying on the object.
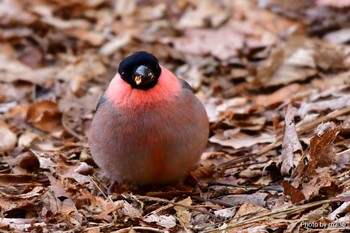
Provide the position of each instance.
(143, 75)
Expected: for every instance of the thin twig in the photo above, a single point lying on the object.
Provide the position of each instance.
(98, 187)
(273, 215)
(178, 204)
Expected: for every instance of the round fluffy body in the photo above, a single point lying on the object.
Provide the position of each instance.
(153, 136)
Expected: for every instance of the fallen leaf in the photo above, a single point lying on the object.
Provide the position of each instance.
(12, 11)
(224, 214)
(203, 41)
(204, 13)
(28, 160)
(45, 115)
(125, 7)
(281, 95)
(61, 203)
(340, 36)
(332, 104)
(182, 213)
(295, 194)
(343, 208)
(8, 138)
(256, 199)
(321, 151)
(27, 138)
(334, 3)
(166, 221)
(239, 140)
(249, 208)
(291, 146)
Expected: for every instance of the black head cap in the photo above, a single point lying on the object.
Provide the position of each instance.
(141, 70)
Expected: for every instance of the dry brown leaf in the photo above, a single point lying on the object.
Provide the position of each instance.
(125, 7)
(258, 199)
(183, 214)
(128, 210)
(20, 224)
(249, 208)
(114, 45)
(27, 138)
(75, 171)
(281, 95)
(204, 41)
(314, 178)
(27, 160)
(13, 11)
(321, 146)
(303, 58)
(12, 70)
(322, 180)
(332, 104)
(343, 208)
(45, 116)
(92, 37)
(239, 140)
(154, 12)
(166, 221)
(334, 3)
(8, 139)
(340, 36)
(224, 214)
(206, 12)
(290, 143)
(60, 202)
(287, 74)
(13, 179)
(295, 194)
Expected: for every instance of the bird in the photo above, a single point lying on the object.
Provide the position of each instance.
(149, 127)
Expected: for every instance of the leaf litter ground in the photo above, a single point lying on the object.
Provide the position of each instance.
(274, 78)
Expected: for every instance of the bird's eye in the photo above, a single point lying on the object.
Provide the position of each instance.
(151, 75)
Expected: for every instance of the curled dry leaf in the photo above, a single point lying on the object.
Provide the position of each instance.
(340, 36)
(20, 224)
(249, 208)
(206, 11)
(8, 139)
(333, 104)
(258, 199)
(315, 177)
(59, 202)
(281, 95)
(295, 194)
(84, 169)
(239, 140)
(227, 213)
(334, 3)
(321, 146)
(12, 11)
(203, 41)
(344, 208)
(28, 160)
(27, 139)
(45, 115)
(291, 144)
(182, 213)
(166, 221)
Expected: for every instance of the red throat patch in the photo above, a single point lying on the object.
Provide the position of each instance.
(124, 96)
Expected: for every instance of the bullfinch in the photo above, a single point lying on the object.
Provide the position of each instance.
(149, 128)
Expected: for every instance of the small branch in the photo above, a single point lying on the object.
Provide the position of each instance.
(178, 204)
(274, 214)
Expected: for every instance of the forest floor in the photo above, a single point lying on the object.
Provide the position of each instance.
(274, 78)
